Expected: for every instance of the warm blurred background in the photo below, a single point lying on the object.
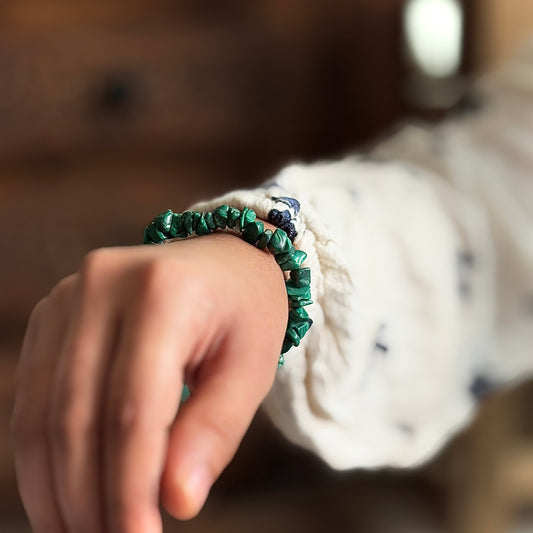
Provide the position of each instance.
(111, 111)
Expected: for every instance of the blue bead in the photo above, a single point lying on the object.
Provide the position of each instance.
(285, 216)
(290, 230)
(291, 202)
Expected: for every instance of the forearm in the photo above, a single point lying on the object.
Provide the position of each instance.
(421, 275)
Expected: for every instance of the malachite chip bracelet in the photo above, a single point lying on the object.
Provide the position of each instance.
(170, 225)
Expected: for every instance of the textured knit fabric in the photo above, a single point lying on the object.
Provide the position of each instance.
(422, 261)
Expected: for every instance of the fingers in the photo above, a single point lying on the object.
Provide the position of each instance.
(143, 394)
(76, 396)
(211, 425)
(37, 364)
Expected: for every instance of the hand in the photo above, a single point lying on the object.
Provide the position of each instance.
(97, 435)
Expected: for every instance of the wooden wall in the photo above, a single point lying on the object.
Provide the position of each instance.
(111, 111)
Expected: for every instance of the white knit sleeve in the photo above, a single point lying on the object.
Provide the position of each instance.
(422, 262)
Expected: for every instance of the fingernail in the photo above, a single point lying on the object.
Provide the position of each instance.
(197, 486)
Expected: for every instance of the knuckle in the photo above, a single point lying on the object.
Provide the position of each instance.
(155, 273)
(68, 422)
(63, 289)
(95, 264)
(162, 277)
(154, 280)
(124, 419)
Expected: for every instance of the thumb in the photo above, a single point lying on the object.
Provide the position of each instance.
(211, 424)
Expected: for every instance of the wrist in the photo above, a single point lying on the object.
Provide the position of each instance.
(258, 240)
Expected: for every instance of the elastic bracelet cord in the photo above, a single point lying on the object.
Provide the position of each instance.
(170, 225)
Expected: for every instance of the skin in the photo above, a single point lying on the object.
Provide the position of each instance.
(99, 435)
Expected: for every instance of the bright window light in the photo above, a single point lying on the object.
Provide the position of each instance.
(434, 30)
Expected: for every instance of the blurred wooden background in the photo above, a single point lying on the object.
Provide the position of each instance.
(111, 111)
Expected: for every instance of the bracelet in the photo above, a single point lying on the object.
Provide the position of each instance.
(170, 225)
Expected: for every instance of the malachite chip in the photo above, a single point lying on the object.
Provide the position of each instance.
(186, 218)
(295, 261)
(247, 217)
(196, 216)
(202, 227)
(298, 314)
(220, 215)
(287, 345)
(299, 303)
(301, 277)
(293, 337)
(263, 240)
(163, 221)
(233, 215)
(253, 231)
(297, 293)
(301, 327)
(278, 242)
(210, 221)
(154, 234)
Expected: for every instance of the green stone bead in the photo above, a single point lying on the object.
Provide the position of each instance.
(278, 242)
(287, 247)
(185, 394)
(283, 257)
(186, 218)
(304, 327)
(233, 216)
(263, 240)
(289, 250)
(281, 360)
(210, 221)
(163, 221)
(293, 337)
(253, 231)
(298, 314)
(146, 236)
(220, 214)
(247, 217)
(202, 227)
(299, 303)
(295, 261)
(301, 277)
(176, 226)
(154, 234)
(161, 236)
(297, 293)
(196, 216)
(300, 328)
(287, 345)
